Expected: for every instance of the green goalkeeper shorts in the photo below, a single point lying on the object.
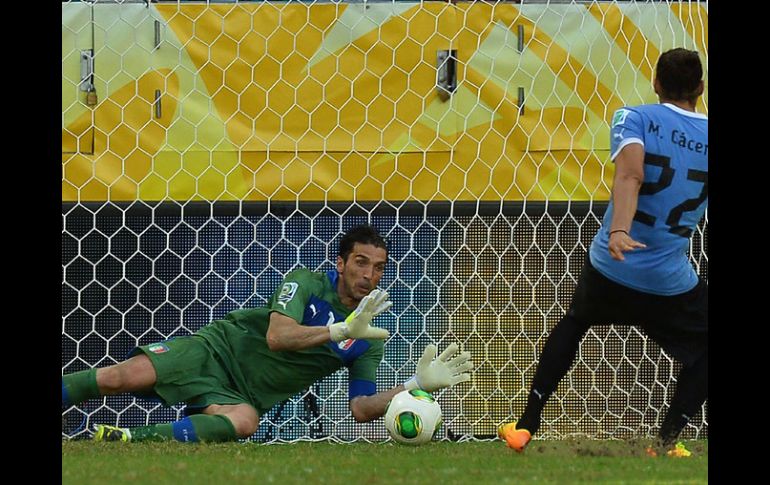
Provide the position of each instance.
(187, 371)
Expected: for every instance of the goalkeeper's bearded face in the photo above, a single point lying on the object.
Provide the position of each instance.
(362, 271)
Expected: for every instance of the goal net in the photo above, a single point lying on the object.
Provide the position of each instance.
(209, 148)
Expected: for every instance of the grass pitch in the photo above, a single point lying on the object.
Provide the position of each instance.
(438, 463)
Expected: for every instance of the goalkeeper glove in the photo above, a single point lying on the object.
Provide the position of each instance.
(357, 324)
(445, 371)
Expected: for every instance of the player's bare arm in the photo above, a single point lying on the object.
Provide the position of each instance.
(285, 333)
(629, 175)
(369, 408)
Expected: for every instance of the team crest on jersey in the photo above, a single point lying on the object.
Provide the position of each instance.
(158, 348)
(287, 293)
(619, 117)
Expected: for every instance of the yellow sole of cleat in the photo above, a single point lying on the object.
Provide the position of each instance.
(679, 451)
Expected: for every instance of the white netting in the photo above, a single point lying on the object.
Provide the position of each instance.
(209, 148)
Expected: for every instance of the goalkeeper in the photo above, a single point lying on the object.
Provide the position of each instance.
(234, 370)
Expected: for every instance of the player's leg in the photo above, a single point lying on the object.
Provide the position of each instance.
(136, 374)
(679, 324)
(243, 418)
(555, 361)
(188, 371)
(596, 300)
(691, 392)
(133, 375)
(215, 423)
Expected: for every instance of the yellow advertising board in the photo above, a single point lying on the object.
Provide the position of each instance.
(338, 102)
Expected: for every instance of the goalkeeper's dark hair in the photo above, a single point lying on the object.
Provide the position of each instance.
(679, 72)
(363, 234)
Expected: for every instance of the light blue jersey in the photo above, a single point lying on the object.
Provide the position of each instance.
(672, 198)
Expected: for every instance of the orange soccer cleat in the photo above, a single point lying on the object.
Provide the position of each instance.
(513, 437)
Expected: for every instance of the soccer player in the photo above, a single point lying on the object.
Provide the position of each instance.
(234, 370)
(637, 271)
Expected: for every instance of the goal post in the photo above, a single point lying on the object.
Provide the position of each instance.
(208, 148)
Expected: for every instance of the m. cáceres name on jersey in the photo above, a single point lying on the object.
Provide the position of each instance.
(681, 139)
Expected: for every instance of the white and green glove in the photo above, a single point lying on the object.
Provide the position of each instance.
(358, 324)
(445, 371)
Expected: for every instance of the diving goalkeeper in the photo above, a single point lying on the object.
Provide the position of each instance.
(234, 370)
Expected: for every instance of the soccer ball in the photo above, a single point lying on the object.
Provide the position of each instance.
(413, 417)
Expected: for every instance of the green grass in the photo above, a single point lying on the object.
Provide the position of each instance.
(438, 463)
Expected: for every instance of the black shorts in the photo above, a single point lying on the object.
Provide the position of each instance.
(678, 323)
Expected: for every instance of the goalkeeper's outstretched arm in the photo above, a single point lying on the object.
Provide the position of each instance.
(285, 333)
(432, 375)
(369, 408)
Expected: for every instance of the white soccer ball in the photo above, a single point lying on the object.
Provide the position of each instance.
(413, 417)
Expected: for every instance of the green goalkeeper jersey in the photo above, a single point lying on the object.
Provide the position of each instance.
(268, 377)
